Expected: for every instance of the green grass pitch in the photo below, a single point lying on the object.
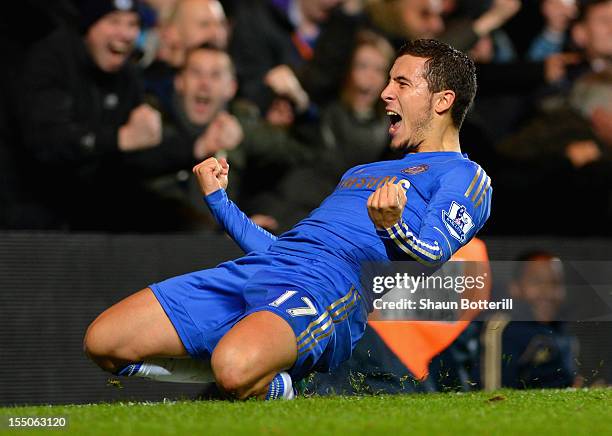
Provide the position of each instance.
(584, 411)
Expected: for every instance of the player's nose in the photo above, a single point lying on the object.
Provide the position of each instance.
(386, 94)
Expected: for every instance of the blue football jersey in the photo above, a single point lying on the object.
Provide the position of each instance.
(448, 201)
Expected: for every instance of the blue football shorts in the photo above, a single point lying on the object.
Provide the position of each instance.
(324, 309)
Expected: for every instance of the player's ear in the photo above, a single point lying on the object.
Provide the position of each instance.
(443, 101)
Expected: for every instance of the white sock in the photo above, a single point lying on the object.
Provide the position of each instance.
(171, 370)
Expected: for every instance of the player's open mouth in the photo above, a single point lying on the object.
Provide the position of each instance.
(395, 119)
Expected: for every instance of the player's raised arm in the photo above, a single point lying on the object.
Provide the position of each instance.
(212, 177)
(385, 208)
(386, 204)
(455, 213)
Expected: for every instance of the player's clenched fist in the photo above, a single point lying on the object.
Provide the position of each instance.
(386, 204)
(212, 175)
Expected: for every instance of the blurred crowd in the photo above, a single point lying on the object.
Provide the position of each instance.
(107, 104)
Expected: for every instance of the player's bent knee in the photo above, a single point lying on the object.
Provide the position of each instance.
(233, 383)
(231, 376)
(234, 372)
(101, 348)
(252, 353)
(95, 347)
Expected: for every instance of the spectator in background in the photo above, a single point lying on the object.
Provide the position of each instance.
(151, 14)
(27, 22)
(183, 25)
(510, 87)
(465, 32)
(570, 139)
(292, 49)
(205, 121)
(558, 15)
(402, 20)
(81, 111)
(189, 24)
(592, 33)
(355, 126)
(197, 126)
(204, 87)
(536, 351)
(354, 130)
(162, 8)
(412, 19)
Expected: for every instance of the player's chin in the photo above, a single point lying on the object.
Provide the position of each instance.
(397, 144)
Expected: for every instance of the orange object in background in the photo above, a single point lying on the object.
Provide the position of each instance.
(415, 343)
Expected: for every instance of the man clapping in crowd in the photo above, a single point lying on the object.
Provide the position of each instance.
(82, 110)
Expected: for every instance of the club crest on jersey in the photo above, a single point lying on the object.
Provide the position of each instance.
(457, 221)
(418, 169)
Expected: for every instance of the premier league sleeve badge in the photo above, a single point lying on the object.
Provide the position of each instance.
(458, 221)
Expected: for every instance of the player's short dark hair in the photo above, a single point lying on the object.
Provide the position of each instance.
(446, 68)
